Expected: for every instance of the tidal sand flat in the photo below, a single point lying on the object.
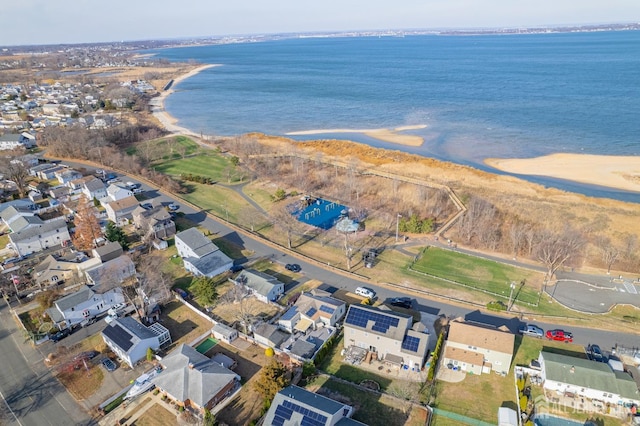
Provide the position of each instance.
(620, 172)
(394, 135)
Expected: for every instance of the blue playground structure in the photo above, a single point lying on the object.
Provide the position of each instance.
(318, 212)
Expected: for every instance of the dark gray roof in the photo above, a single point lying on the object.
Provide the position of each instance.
(109, 251)
(211, 262)
(126, 332)
(73, 299)
(118, 269)
(260, 282)
(189, 375)
(10, 137)
(94, 184)
(271, 332)
(303, 349)
(196, 241)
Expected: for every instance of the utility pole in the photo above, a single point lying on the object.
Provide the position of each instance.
(513, 286)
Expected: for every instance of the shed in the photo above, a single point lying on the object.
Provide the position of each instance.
(507, 417)
(224, 332)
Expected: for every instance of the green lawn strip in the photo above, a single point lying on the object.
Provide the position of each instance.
(217, 200)
(204, 164)
(259, 195)
(479, 273)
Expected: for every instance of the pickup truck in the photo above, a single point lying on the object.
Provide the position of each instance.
(531, 330)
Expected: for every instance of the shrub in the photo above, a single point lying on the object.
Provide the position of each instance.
(523, 403)
(269, 352)
(496, 306)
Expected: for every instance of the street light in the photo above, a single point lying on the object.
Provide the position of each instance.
(513, 286)
(398, 225)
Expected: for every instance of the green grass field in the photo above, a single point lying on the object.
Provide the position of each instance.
(480, 273)
(165, 148)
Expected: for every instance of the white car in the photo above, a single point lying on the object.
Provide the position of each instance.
(173, 206)
(365, 292)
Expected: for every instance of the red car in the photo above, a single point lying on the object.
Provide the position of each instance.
(560, 335)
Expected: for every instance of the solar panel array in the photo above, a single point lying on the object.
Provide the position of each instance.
(360, 318)
(119, 336)
(327, 309)
(285, 410)
(411, 343)
(311, 312)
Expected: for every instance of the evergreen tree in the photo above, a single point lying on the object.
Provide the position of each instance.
(205, 290)
(114, 233)
(209, 418)
(272, 379)
(87, 225)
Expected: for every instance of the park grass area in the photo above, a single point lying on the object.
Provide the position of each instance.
(219, 201)
(371, 408)
(156, 415)
(205, 164)
(259, 193)
(480, 273)
(183, 324)
(165, 148)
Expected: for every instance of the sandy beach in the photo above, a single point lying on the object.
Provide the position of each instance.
(620, 172)
(157, 104)
(387, 135)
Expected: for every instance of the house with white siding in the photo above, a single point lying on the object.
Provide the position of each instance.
(130, 340)
(40, 237)
(84, 303)
(200, 256)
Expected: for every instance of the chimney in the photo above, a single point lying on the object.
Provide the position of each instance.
(191, 366)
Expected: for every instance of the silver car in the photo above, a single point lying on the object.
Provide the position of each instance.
(532, 330)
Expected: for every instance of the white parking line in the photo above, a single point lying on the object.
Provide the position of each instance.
(630, 288)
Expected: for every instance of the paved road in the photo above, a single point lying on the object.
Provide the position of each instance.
(32, 395)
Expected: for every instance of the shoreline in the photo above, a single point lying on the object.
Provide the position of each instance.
(160, 113)
(617, 172)
(392, 135)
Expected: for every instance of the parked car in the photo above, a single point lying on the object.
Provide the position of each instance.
(531, 330)
(56, 337)
(560, 335)
(293, 267)
(182, 293)
(86, 355)
(87, 322)
(113, 311)
(236, 268)
(146, 206)
(173, 206)
(401, 302)
(138, 190)
(595, 353)
(109, 365)
(365, 292)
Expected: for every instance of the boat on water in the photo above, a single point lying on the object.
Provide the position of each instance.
(143, 383)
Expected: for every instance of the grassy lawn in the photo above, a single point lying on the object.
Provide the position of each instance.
(214, 166)
(370, 408)
(82, 383)
(183, 324)
(480, 273)
(157, 415)
(166, 148)
(217, 200)
(232, 312)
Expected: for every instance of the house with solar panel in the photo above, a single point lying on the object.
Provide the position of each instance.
(312, 311)
(476, 348)
(387, 334)
(294, 406)
(130, 340)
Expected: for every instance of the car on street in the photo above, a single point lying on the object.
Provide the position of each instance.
(138, 190)
(109, 365)
(531, 330)
(559, 335)
(595, 353)
(236, 268)
(401, 302)
(366, 292)
(173, 206)
(56, 337)
(293, 267)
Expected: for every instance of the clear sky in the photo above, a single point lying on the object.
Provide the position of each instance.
(76, 21)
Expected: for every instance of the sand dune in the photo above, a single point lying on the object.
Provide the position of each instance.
(383, 134)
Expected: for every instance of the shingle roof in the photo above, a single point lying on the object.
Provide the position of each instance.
(481, 337)
(118, 269)
(211, 262)
(22, 222)
(196, 241)
(124, 204)
(271, 333)
(109, 251)
(94, 184)
(189, 375)
(127, 332)
(73, 299)
(32, 231)
(260, 282)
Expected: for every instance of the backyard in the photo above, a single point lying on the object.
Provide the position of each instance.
(183, 324)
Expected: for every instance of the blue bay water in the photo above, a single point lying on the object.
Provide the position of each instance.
(480, 96)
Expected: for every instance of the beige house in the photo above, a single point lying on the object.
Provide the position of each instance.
(478, 349)
(386, 333)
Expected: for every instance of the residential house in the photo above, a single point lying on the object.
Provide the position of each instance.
(193, 380)
(478, 349)
(130, 340)
(50, 172)
(574, 379)
(294, 406)
(200, 255)
(311, 311)
(35, 196)
(56, 270)
(60, 193)
(264, 287)
(11, 214)
(35, 170)
(22, 205)
(156, 221)
(94, 189)
(66, 176)
(121, 211)
(269, 335)
(116, 192)
(40, 237)
(112, 272)
(76, 185)
(225, 333)
(109, 251)
(84, 303)
(386, 333)
(14, 141)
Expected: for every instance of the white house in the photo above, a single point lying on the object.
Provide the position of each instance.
(40, 237)
(264, 287)
(225, 333)
(13, 141)
(130, 340)
(84, 303)
(116, 192)
(310, 311)
(200, 255)
(121, 211)
(94, 188)
(576, 378)
(113, 272)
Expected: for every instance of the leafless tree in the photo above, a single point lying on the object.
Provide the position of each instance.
(556, 248)
(282, 218)
(610, 253)
(153, 283)
(16, 172)
(251, 218)
(517, 235)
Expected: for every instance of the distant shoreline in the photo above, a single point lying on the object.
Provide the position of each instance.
(619, 172)
(387, 135)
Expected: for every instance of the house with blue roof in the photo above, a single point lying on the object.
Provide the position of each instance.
(387, 334)
(297, 406)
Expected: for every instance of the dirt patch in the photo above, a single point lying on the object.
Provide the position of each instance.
(157, 415)
(183, 324)
(82, 382)
(232, 310)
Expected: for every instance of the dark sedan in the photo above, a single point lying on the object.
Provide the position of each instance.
(401, 302)
(293, 267)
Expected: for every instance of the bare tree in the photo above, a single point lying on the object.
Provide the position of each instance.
(556, 248)
(153, 284)
(610, 253)
(15, 171)
(286, 222)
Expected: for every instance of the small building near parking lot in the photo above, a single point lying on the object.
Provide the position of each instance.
(130, 340)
